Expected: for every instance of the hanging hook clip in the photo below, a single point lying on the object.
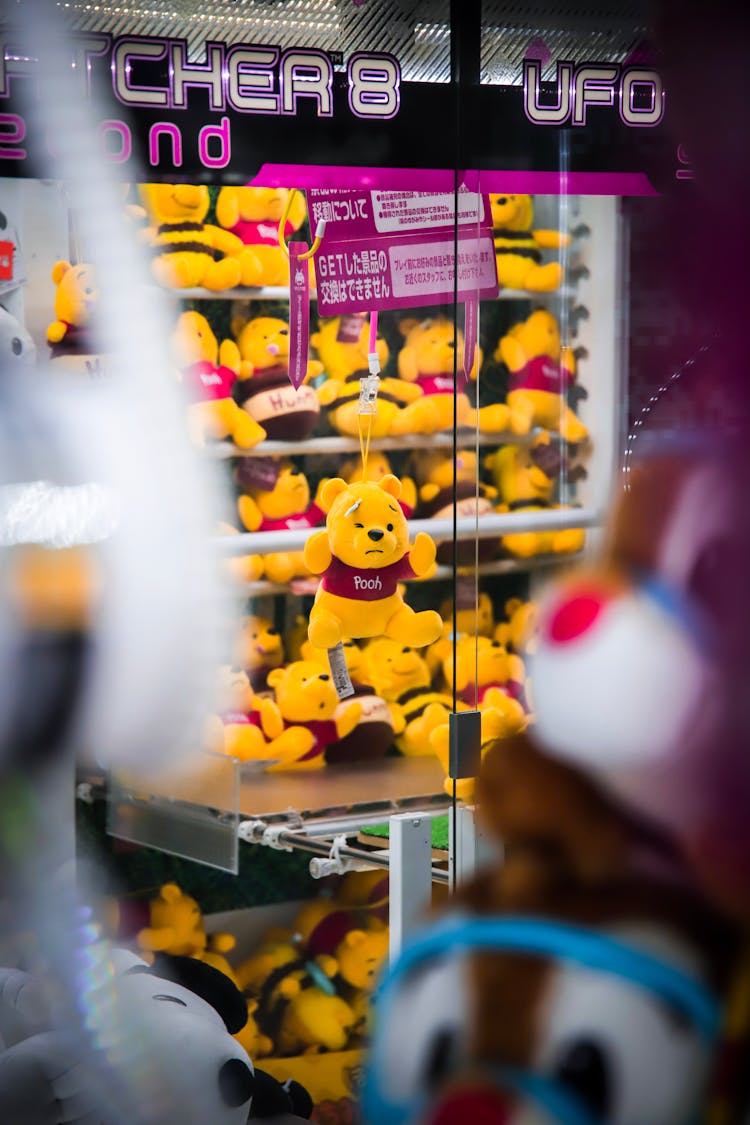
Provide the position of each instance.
(319, 231)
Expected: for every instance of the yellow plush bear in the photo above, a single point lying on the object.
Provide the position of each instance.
(345, 363)
(524, 486)
(314, 1020)
(251, 1037)
(373, 735)
(309, 706)
(253, 729)
(487, 675)
(188, 251)
(259, 649)
(208, 372)
(253, 215)
(401, 676)
(475, 616)
(177, 928)
(265, 392)
(494, 725)
(76, 295)
(541, 370)
(519, 630)
(362, 555)
(285, 507)
(241, 568)
(427, 360)
(518, 247)
(438, 493)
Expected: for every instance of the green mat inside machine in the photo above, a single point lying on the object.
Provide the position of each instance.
(439, 832)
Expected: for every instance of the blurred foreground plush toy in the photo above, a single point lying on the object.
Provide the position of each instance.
(263, 388)
(541, 371)
(361, 557)
(427, 359)
(642, 660)
(524, 485)
(565, 986)
(253, 216)
(342, 345)
(518, 247)
(17, 348)
(148, 1025)
(208, 372)
(188, 252)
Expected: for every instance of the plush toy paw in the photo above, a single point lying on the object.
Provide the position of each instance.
(416, 629)
(325, 630)
(568, 541)
(422, 555)
(247, 433)
(56, 331)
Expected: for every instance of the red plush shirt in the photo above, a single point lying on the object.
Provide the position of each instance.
(436, 384)
(365, 585)
(262, 233)
(511, 688)
(313, 517)
(541, 374)
(324, 731)
(206, 383)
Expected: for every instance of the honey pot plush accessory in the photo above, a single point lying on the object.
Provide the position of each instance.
(361, 557)
(541, 372)
(188, 252)
(518, 247)
(263, 388)
(208, 372)
(343, 347)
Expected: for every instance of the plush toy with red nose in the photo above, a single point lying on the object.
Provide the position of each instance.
(641, 659)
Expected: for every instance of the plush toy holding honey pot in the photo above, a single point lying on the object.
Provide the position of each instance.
(362, 556)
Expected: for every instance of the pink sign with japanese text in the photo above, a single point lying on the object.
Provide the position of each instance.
(392, 250)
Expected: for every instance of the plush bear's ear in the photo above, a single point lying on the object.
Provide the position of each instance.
(59, 270)
(331, 489)
(228, 207)
(355, 938)
(207, 982)
(170, 892)
(406, 324)
(274, 677)
(512, 605)
(391, 485)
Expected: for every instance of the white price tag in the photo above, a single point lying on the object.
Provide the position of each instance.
(339, 671)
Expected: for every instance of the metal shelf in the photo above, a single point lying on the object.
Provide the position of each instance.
(320, 446)
(281, 293)
(555, 519)
(262, 588)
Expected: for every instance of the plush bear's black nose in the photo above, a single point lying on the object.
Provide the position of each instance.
(375, 535)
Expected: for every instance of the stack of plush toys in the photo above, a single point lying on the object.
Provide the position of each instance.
(306, 987)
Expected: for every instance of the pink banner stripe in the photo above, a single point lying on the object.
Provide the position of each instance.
(442, 179)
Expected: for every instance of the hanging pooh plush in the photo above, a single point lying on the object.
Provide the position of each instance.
(362, 556)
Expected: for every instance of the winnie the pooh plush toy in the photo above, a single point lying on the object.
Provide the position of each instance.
(188, 252)
(252, 726)
(263, 388)
(69, 335)
(253, 215)
(176, 928)
(474, 616)
(541, 371)
(342, 345)
(362, 556)
(373, 736)
(309, 705)
(284, 507)
(401, 676)
(208, 372)
(520, 629)
(524, 485)
(259, 648)
(487, 675)
(427, 360)
(518, 248)
(439, 490)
